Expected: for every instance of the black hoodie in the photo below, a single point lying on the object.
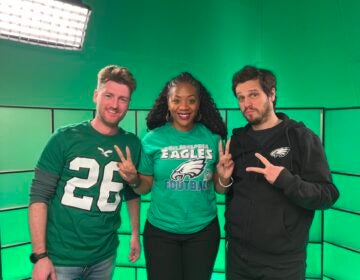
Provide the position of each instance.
(270, 223)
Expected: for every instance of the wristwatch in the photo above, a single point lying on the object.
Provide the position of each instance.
(35, 257)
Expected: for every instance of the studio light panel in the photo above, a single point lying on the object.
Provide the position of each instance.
(44, 22)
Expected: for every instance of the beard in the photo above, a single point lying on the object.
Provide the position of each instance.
(261, 116)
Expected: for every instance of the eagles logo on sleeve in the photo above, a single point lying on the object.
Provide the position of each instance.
(191, 168)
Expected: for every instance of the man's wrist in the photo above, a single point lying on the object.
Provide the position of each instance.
(135, 184)
(35, 257)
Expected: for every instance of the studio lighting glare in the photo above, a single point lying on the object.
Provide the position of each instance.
(52, 23)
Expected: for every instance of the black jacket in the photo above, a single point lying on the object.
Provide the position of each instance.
(270, 223)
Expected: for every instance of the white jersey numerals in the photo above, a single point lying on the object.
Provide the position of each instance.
(106, 186)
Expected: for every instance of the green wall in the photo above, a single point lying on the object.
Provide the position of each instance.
(333, 235)
(312, 46)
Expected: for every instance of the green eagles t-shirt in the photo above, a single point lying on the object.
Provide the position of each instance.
(182, 164)
(83, 215)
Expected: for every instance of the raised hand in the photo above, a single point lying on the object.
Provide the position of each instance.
(127, 169)
(270, 171)
(225, 165)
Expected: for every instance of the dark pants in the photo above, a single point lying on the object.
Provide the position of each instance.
(172, 256)
(238, 268)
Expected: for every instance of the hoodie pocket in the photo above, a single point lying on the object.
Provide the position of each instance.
(267, 229)
(238, 218)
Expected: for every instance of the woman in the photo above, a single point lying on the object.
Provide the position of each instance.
(181, 162)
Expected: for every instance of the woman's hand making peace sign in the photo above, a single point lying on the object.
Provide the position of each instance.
(225, 165)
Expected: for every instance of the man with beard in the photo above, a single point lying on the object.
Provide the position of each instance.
(281, 177)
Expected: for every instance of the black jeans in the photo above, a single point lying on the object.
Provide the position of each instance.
(171, 256)
(239, 268)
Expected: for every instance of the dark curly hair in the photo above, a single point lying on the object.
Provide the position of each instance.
(210, 115)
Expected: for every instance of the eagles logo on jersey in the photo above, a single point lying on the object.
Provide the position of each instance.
(191, 168)
(105, 153)
(280, 152)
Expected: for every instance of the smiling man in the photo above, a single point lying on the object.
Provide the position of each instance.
(281, 177)
(76, 193)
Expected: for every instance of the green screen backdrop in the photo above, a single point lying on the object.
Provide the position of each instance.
(312, 46)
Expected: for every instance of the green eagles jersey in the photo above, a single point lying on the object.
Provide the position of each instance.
(182, 164)
(83, 215)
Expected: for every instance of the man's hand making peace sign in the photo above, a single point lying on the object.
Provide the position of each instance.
(270, 171)
(127, 168)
